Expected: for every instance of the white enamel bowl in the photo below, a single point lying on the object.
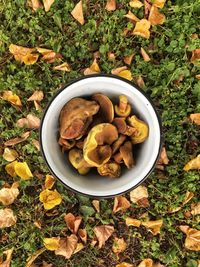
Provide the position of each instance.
(92, 184)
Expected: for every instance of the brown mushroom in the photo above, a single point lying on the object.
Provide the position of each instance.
(110, 169)
(126, 152)
(77, 161)
(79, 144)
(106, 110)
(122, 127)
(142, 130)
(124, 109)
(96, 149)
(76, 116)
(118, 158)
(66, 144)
(116, 145)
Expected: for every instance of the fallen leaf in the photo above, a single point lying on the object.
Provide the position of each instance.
(36, 144)
(147, 7)
(146, 263)
(193, 164)
(197, 76)
(153, 226)
(25, 55)
(23, 171)
(83, 235)
(119, 245)
(33, 257)
(49, 181)
(131, 16)
(159, 3)
(120, 203)
(73, 222)
(124, 264)
(48, 55)
(195, 208)
(118, 70)
(67, 246)
(195, 118)
(133, 222)
(94, 68)
(103, 232)
(110, 5)
(34, 4)
(96, 204)
(7, 218)
(45, 264)
(63, 67)
(111, 56)
(140, 82)
(144, 55)
(51, 243)
(37, 105)
(17, 140)
(142, 28)
(50, 198)
(192, 241)
(8, 195)
(36, 96)
(10, 154)
(79, 247)
(77, 12)
(140, 196)
(31, 122)
(12, 98)
(155, 17)
(136, 4)
(163, 157)
(10, 168)
(38, 224)
(188, 196)
(195, 55)
(8, 255)
(126, 74)
(48, 4)
(128, 59)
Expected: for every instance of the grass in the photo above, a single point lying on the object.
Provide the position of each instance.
(169, 47)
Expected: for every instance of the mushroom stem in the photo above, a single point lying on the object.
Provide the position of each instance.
(123, 101)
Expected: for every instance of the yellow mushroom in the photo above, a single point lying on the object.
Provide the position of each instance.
(78, 162)
(142, 130)
(110, 169)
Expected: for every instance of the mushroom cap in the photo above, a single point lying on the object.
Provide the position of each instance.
(127, 154)
(76, 158)
(120, 124)
(106, 107)
(142, 130)
(76, 116)
(116, 145)
(66, 144)
(110, 169)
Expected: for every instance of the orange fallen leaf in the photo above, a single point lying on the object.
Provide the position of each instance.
(110, 5)
(133, 222)
(159, 3)
(195, 209)
(8, 255)
(51, 243)
(49, 181)
(34, 4)
(31, 122)
(10, 168)
(7, 218)
(79, 247)
(120, 203)
(83, 235)
(73, 222)
(12, 98)
(8, 195)
(119, 245)
(136, 4)
(50, 198)
(142, 28)
(124, 264)
(118, 70)
(36, 144)
(34, 256)
(140, 196)
(155, 17)
(103, 232)
(10, 154)
(153, 226)
(77, 12)
(36, 96)
(193, 164)
(63, 67)
(22, 170)
(144, 54)
(25, 55)
(195, 118)
(131, 16)
(192, 241)
(48, 4)
(146, 263)
(17, 140)
(67, 246)
(48, 55)
(128, 59)
(147, 7)
(94, 68)
(96, 204)
(195, 55)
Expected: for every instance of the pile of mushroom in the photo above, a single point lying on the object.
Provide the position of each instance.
(95, 138)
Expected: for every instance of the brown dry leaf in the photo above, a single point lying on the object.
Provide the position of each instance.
(49, 181)
(159, 3)
(7, 261)
(31, 122)
(119, 245)
(124, 264)
(147, 7)
(23, 54)
(195, 55)
(45, 264)
(7, 218)
(48, 4)
(48, 55)
(140, 82)
(110, 5)
(10, 154)
(131, 16)
(155, 17)
(192, 241)
(94, 68)
(63, 67)
(142, 28)
(73, 222)
(128, 59)
(36, 144)
(37, 105)
(111, 56)
(163, 157)
(195, 209)
(79, 247)
(120, 203)
(118, 70)
(51, 243)
(195, 118)
(33, 257)
(188, 196)
(17, 140)
(146, 263)
(133, 222)
(34, 4)
(153, 226)
(67, 246)
(140, 196)
(38, 224)
(8, 195)
(77, 13)
(36, 96)
(193, 164)
(103, 232)
(96, 204)
(83, 235)
(12, 98)
(144, 55)
(136, 4)
(197, 76)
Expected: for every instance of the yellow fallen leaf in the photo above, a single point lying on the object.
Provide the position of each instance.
(7, 218)
(67, 246)
(10, 154)
(34, 4)
(128, 59)
(50, 198)
(24, 54)
(36, 144)
(63, 67)
(124, 264)
(153, 226)
(140, 196)
(94, 68)
(155, 17)
(77, 13)
(188, 196)
(23, 171)
(133, 222)
(51, 243)
(12, 98)
(48, 4)
(48, 55)
(83, 235)
(73, 222)
(144, 54)
(195, 118)
(103, 232)
(192, 241)
(193, 164)
(142, 28)
(8, 255)
(159, 3)
(8, 195)
(146, 263)
(49, 181)
(126, 74)
(33, 257)
(110, 5)
(96, 204)
(195, 209)
(10, 168)
(136, 4)
(17, 140)
(195, 55)
(78, 248)
(119, 245)
(118, 70)
(120, 203)
(31, 122)
(36, 96)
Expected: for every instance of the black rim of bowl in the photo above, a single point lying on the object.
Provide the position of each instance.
(87, 77)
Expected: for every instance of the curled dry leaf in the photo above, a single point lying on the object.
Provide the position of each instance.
(50, 198)
(140, 82)
(51, 243)
(192, 241)
(155, 17)
(73, 222)
(7, 218)
(22, 170)
(110, 5)
(193, 164)
(140, 196)
(10, 154)
(63, 67)
(158, 3)
(48, 4)
(146, 263)
(128, 59)
(8, 195)
(163, 160)
(17, 140)
(48, 55)
(119, 245)
(12, 98)
(103, 232)
(77, 13)
(136, 4)
(147, 7)
(123, 72)
(144, 54)
(195, 55)
(31, 122)
(34, 4)
(8, 255)
(36, 96)
(120, 203)
(67, 246)
(25, 55)
(195, 118)
(142, 28)
(131, 16)
(83, 235)
(49, 181)
(153, 226)
(118, 70)
(34, 256)
(36, 144)
(195, 209)
(133, 222)
(96, 204)
(94, 68)
(124, 264)
(79, 247)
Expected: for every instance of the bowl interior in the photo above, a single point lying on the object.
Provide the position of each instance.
(92, 184)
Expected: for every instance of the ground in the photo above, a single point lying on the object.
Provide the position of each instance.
(170, 81)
